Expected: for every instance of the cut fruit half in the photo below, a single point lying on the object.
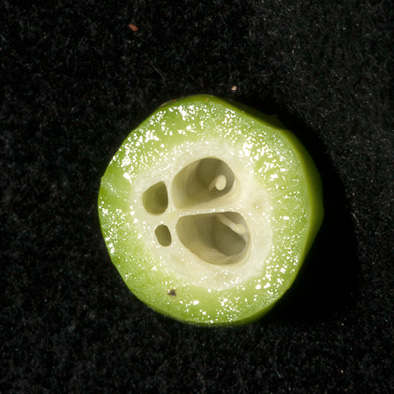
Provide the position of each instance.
(208, 210)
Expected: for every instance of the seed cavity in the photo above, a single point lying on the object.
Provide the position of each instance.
(163, 235)
(155, 199)
(216, 238)
(202, 181)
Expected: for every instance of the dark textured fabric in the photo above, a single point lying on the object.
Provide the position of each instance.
(77, 76)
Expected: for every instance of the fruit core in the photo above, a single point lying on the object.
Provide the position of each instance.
(216, 236)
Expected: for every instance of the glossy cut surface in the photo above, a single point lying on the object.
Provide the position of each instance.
(209, 209)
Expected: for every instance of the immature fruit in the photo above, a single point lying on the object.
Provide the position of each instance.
(208, 210)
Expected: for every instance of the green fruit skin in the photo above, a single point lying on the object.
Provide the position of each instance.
(129, 254)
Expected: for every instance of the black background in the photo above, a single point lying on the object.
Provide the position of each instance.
(75, 79)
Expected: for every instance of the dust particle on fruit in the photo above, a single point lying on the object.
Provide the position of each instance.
(172, 293)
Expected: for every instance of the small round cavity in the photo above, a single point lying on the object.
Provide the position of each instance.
(163, 235)
(155, 199)
(216, 238)
(202, 181)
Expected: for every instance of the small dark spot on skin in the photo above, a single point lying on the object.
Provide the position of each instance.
(172, 293)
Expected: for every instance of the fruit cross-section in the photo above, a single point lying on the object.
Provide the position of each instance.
(208, 210)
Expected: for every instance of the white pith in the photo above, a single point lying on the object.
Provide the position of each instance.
(233, 204)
